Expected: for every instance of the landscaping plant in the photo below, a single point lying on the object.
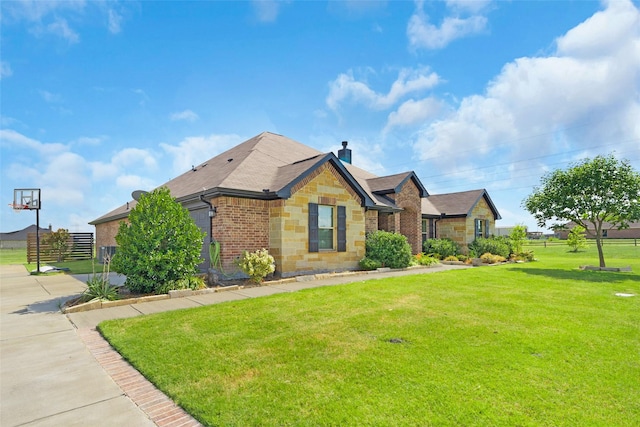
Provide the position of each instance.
(441, 248)
(389, 249)
(257, 265)
(576, 238)
(99, 287)
(58, 243)
(159, 246)
(492, 245)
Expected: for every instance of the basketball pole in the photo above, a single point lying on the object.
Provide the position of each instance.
(38, 238)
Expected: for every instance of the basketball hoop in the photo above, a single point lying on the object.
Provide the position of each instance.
(17, 208)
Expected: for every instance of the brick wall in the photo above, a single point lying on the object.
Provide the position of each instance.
(411, 217)
(371, 221)
(240, 225)
(106, 233)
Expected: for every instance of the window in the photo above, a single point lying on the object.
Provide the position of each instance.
(481, 228)
(425, 230)
(323, 232)
(325, 227)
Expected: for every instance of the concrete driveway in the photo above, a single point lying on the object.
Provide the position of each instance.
(47, 375)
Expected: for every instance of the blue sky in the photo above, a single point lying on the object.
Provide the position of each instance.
(100, 98)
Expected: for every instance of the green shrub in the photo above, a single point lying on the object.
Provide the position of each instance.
(451, 258)
(192, 282)
(426, 260)
(99, 287)
(441, 247)
(257, 265)
(462, 257)
(390, 249)
(516, 238)
(369, 264)
(489, 258)
(523, 256)
(493, 245)
(160, 244)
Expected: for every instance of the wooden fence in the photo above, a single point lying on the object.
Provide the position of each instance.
(80, 247)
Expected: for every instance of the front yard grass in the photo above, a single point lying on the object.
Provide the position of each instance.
(520, 344)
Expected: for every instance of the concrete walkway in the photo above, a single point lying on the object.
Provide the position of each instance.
(55, 369)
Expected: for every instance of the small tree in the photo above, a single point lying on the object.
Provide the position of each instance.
(576, 238)
(517, 237)
(160, 244)
(59, 243)
(590, 193)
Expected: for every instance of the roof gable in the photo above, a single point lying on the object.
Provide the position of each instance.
(457, 204)
(394, 183)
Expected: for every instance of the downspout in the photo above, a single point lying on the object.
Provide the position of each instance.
(435, 225)
(212, 212)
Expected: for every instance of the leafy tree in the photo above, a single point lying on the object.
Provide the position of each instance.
(590, 193)
(576, 238)
(59, 243)
(160, 244)
(517, 238)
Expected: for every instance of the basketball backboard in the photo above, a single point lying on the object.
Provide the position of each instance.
(26, 198)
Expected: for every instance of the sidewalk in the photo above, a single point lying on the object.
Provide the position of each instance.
(55, 369)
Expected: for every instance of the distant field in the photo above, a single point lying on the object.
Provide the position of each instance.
(19, 256)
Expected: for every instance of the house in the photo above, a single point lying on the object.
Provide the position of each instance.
(18, 239)
(461, 217)
(310, 209)
(608, 231)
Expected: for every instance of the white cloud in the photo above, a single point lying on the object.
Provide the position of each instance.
(135, 157)
(584, 96)
(50, 97)
(10, 139)
(114, 21)
(5, 70)
(267, 10)
(196, 149)
(423, 34)
(346, 88)
(187, 115)
(414, 112)
(134, 182)
(60, 28)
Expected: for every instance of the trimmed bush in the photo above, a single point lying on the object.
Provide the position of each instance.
(426, 260)
(369, 264)
(493, 245)
(390, 249)
(441, 247)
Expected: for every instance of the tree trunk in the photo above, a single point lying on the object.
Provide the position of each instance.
(600, 253)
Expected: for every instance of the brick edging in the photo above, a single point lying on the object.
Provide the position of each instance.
(154, 403)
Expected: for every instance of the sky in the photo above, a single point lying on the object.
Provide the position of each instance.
(101, 98)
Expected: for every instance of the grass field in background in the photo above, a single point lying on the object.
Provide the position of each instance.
(19, 256)
(541, 343)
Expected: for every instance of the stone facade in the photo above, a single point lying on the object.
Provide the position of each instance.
(289, 229)
(462, 230)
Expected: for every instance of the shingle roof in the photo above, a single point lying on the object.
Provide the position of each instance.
(456, 204)
(265, 162)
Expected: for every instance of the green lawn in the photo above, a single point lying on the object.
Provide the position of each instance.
(521, 344)
(19, 256)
